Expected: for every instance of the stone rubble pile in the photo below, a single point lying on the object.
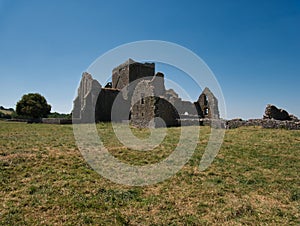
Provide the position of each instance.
(272, 112)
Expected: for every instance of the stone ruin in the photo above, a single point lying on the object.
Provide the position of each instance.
(273, 118)
(272, 112)
(140, 97)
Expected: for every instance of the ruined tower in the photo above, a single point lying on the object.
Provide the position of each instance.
(129, 71)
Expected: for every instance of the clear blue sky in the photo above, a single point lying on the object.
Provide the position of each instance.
(253, 47)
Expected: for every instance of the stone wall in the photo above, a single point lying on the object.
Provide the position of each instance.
(60, 121)
(182, 106)
(166, 112)
(207, 105)
(141, 70)
(148, 106)
(143, 104)
(120, 75)
(88, 92)
(158, 82)
(276, 124)
(185, 107)
(143, 113)
(264, 123)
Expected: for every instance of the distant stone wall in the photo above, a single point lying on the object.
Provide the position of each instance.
(264, 123)
(237, 123)
(275, 124)
(60, 121)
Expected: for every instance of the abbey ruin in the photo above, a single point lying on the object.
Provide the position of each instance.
(138, 94)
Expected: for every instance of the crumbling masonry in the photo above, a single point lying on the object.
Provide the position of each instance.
(137, 94)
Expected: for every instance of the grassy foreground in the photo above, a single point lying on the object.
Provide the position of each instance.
(44, 180)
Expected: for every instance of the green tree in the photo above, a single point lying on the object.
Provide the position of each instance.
(33, 105)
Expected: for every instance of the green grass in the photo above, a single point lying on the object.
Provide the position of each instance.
(44, 180)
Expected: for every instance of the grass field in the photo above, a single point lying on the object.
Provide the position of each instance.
(44, 180)
(7, 112)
